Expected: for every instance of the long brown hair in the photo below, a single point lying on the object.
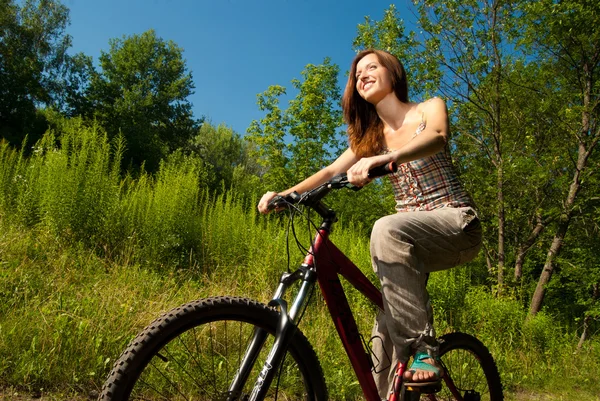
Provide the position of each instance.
(365, 129)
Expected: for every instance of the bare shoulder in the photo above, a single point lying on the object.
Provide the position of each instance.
(433, 105)
(433, 109)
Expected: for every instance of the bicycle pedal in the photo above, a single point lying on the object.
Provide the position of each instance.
(429, 389)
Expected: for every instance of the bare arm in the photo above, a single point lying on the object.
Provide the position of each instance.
(432, 139)
(340, 165)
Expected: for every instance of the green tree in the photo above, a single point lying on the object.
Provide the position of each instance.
(532, 161)
(567, 35)
(294, 143)
(228, 156)
(469, 41)
(522, 85)
(314, 118)
(268, 137)
(463, 55)
(72, 89)
(142, 92)
(33, 47)
(574, 290)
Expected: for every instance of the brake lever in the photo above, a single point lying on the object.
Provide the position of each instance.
(281, 202)
(339, 181)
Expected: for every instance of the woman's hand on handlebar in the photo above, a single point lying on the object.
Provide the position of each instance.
(263, 204)
(358, 174)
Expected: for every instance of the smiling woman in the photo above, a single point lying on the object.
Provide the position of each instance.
(365, 126)
(436, 226)
(388, 74)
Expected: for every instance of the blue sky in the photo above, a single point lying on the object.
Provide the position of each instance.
(235, 49)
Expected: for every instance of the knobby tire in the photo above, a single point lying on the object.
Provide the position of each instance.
(471, 368)
(193, 352)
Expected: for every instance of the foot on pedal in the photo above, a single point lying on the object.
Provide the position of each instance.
(424, 375)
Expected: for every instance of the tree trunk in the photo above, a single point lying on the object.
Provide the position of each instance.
(523, 248)
(586, 323)
(538, 295)
(586, 320)
(488, 260)
(563, 226)
(497, 134)
(501, 234)
(565, 218)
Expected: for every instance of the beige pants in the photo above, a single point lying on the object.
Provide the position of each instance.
(405, 247)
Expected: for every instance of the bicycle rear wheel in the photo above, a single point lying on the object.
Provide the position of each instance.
(194, 352)
(470, 371)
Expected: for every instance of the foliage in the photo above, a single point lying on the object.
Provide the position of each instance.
(515, 75)
(66, 314)
(33, 47)
(73, 87)
(575, 292)
(268, 137)
(72, 186)
(560, 34)
(94, 276)
(227, 157)
(141, 92)
(294, 143)
(88, 255)
(314, 118)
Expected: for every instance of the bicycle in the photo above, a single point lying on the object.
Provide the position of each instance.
(230, 348)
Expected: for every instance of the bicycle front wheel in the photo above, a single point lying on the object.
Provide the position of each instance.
(194, 352)
(470, 371)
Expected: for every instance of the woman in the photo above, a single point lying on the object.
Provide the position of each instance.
(435, 226)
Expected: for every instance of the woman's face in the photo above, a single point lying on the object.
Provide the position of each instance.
(373, 81)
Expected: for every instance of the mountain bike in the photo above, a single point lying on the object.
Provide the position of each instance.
(230, 348)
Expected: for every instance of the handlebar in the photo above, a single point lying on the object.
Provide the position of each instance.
(382, 170)
(313, 197)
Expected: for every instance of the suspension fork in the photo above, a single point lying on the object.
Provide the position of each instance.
(286, 327)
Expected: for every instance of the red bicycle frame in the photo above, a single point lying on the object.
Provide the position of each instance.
(329, 263)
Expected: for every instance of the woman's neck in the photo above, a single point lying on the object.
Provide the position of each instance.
(392, 111)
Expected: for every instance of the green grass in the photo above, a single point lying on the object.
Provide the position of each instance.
(89, 257)
(67, 314)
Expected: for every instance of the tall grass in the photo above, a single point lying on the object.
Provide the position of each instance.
(89, 256)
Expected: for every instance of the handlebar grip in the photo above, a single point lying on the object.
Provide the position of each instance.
(382, 170)
(279, 202)
(275, 202)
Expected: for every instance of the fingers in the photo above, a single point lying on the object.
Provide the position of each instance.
(358, 180)
(358, 174)
(263, 204)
